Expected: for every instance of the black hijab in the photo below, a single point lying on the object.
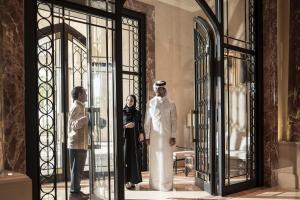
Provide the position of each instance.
(129, 112)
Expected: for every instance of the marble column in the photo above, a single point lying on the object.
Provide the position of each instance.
(148, 10)
(270, 85)
(12, 64)
(294, 72)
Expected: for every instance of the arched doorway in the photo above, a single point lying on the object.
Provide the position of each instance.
(226, 95)
(204, 109)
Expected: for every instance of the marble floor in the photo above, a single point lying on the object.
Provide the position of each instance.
(253, 194)
(184, 188)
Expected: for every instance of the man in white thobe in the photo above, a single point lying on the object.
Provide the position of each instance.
(160, 130)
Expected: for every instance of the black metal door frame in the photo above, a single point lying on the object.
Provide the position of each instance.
(141, 18)
(217, 21)
(204, 131)
(140, 92)
(31, 91)
(64, 30)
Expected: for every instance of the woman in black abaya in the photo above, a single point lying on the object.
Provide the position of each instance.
(133, 134)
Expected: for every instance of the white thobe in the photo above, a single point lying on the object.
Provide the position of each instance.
(160, 126)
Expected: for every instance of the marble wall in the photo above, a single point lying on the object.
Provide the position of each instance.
(294, 73)
(283, 45)
(12, 64)
(148, 10)
(270, 98)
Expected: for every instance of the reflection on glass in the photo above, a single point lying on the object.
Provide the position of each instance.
(202, 103)
(238, 121)
(77, 52)
(131, 59)
(106, 5)
(237, 22)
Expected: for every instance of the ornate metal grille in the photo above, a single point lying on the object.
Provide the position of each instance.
(66, 59)
(79, 64)
(46, 99)
(240, 92)
(202, 105)
(251, 169)
(234, 95)
(132, 72)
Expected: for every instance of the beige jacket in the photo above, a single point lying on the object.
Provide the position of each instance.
(78, 127)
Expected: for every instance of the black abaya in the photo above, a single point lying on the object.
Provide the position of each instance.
(132, 146)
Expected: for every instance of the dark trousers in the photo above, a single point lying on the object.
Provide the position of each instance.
(77, 161)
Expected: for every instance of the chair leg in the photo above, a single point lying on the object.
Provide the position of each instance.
(174, 165)
(186, 171)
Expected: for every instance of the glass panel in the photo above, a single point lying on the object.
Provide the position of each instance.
(77, 51)
(133, 75)
(131, 59)
(46, 99)
(106, 5)
(102, 110)
(238, 23)
(202, 102)
(131, 86)
(239, 120)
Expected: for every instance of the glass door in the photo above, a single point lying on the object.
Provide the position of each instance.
(203, 110)
(101, 109)
(239, 141)
(75, 48)
(134, 66)
(226, 129)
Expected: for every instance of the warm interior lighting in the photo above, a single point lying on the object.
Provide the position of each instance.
(268, 194)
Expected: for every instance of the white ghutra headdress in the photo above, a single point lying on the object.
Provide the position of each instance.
(159, 84)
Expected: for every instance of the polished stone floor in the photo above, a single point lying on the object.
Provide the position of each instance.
(184, 188)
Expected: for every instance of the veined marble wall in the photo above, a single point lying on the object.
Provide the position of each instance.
(294, 73)
(12, 64)
(270, 85)
(148, 10)
(1, 108)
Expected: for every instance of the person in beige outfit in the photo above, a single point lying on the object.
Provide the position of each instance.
(77, 137)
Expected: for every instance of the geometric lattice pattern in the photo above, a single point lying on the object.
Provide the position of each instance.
(131, 60)
(46, 100)
(202, 104)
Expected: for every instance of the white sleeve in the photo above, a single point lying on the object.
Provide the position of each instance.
(173, 120)
(147, 123)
